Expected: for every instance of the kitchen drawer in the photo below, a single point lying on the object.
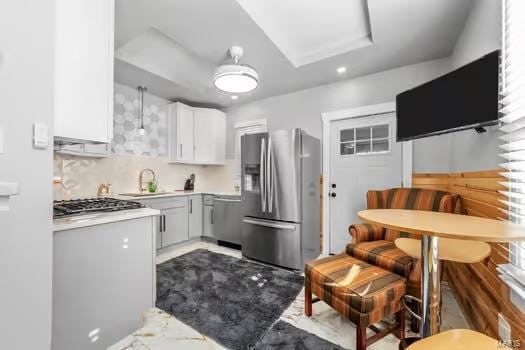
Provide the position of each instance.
(208, 199)
(168, 203)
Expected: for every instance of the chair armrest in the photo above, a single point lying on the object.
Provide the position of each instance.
(366, 232)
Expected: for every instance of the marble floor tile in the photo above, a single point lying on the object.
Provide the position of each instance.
(162, 332)
(129, 343)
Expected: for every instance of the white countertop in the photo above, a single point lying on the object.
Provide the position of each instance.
(101, 218)
(173, 194)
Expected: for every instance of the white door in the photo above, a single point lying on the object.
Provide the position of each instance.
(364, 155)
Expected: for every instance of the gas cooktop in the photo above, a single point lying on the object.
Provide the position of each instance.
(91, 206)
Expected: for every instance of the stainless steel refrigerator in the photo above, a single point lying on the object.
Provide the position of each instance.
(281, 197)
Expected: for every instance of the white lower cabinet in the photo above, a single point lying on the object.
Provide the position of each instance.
(175, 226)
(181, 218)
(208, 221)
(103, 277)
(195, 216)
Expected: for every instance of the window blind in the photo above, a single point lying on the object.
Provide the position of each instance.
(251, 127)
(512, 117)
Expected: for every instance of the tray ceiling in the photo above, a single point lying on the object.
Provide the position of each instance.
(173, 46)
(309, 31)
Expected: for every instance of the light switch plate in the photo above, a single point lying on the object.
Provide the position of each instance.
(40, 136)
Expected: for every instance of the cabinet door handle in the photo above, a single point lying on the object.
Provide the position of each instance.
(164, 223)
(191, 206)
(212, 216)
(180, 150)
(160, 223)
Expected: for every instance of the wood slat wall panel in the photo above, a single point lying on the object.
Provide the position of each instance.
(477, 174)
(488, 210)
(478, 183)
(489, 197)
(477, 287)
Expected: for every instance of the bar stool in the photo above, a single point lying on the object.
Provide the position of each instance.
(457, 339)
(456, 250)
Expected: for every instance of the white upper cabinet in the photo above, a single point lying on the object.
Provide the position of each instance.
(181, 125)
(84, 70)
(196, 135)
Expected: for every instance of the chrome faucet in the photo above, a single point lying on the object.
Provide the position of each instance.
(143, 185)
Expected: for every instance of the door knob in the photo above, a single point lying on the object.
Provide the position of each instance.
(333, 194)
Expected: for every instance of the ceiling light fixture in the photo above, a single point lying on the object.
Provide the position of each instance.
(341, 70)
(142, 90)
(235, 78)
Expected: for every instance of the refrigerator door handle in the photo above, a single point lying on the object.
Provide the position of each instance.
(262, 169)
(269, 177)
(270, 224)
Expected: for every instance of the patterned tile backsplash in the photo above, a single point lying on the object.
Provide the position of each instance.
(133, 152)
(126, 139)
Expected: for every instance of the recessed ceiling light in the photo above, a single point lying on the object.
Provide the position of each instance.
(234, 97)
(341, 70)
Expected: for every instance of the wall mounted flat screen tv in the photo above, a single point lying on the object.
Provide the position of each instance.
(463, 99)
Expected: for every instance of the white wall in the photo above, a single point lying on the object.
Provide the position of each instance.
(469, 151)
(26, 96)
(482, 33)
(304, 108)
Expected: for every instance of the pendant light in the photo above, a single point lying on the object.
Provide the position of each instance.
(235, 78)
(142, 90)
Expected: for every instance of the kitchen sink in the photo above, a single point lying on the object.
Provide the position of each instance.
(144, 194)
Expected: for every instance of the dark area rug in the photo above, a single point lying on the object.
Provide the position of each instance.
(284, 336)
(233, 301)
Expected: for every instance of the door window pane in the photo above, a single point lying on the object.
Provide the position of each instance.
(380, 131)
(379, 146)
(362, 147)
(347, 135)
(362, 133)
(347, 149)
(365, 140)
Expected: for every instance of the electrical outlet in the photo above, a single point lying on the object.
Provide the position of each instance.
(503, 328)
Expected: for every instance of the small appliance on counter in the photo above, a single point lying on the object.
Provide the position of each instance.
(69, 208)
(189, 185)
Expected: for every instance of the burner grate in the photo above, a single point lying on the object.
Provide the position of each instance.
(91, 205)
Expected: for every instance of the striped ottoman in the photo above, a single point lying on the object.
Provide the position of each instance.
(363, 293)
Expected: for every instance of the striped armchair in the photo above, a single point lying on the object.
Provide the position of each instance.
(375, 244)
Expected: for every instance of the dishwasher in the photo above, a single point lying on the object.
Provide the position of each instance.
(227, 219)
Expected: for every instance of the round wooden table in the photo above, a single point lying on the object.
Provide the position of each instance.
(457, 250)
(457, 339)
(430, 226)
